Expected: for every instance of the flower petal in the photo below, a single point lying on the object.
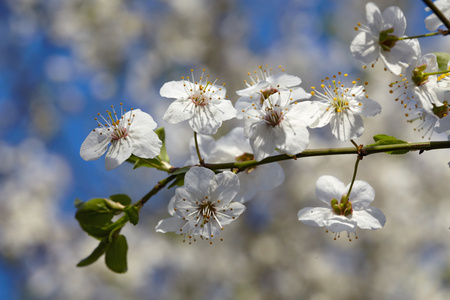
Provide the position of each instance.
(362, 195)
(314, 216)
(176, 89)
(173, 224)
(263, 139)
(370, 218)
(340, 223)
(393, 18)
(365, 48)
(118, 152)
(329, 187)
(95, 145)
(225, 188)
(179, 111)
(346, 126)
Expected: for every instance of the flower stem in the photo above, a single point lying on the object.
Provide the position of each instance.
(365, 150)
(420, 36)
(436, 73)
(197, 148)
(438, 13)
(159, 186)
(354, 175)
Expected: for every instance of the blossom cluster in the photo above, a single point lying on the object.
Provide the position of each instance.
(277, 114)
(423, 87)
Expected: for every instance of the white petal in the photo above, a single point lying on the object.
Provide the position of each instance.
(283, 80)
(225, 107)
(314, 216)
(206, 119)
(263, 139)
(225, 188)
(374, 18)
(365, 48)
(232, 211)
(398, 56)
(362, 194)
(176, 89)
(329, 187)
(393, 18)
(243, 103)
(145, 141)
(370, 218)
(340, 223)
(95, 145)
(198, 180)
(179, 111)
(346, 126)
(368, 107)
(254, 89)
(295, 138)
(173, 224)
(118, 152)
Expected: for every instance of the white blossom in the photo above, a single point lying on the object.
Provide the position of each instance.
(342, 106)
(380, 39)
(264, 83)
(278, 123)
(131, 133)
(417, 85)
(202, 103)
(235, 147)
(203, 205)
(340, 211)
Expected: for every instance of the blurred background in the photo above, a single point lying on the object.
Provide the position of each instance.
(64, 61)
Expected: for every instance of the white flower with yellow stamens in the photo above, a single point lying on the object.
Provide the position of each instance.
(203, 103)
(131, 133)
(203, 205)
(278, 123)
(342, 106)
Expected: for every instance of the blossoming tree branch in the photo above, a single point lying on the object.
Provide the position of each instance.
(211, 189)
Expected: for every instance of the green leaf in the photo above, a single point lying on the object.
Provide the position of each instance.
(116, 254)
(94, 212)
(96, 231)
(121, 198)
(133, 214)
(383, 139)
(162, 136)
(148, 162)
(442, 60)
(182, 170)
(179, 181)
(380, 137)
(101, 248)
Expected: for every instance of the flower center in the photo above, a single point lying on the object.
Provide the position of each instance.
(199, 99)
(266, 93)
(343, 207)
(273, 116)
(206, 209)
(418, 76)
(441, 111)
(116, 127)
(387, 40)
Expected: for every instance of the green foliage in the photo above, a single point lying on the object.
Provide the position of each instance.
(121, 198)
(383, 139)
(162, 136)
(116, 254)
(442, 60)
(133, 214)
(101, 248)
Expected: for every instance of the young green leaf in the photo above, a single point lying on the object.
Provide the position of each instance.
(133, 214)
(121, 198)
(162, 136)
(94, 212)
(116, 254)
(98, 251)
(442, 60)
(383, 139)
